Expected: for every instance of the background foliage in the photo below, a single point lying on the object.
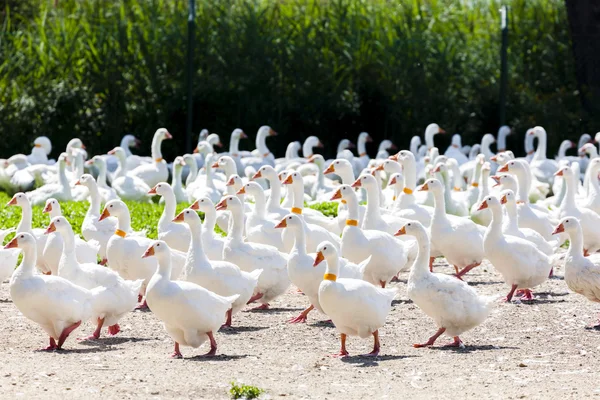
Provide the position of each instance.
(98, 69)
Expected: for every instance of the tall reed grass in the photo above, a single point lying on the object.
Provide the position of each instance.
(98, 69)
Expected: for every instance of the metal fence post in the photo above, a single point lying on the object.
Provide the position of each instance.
(190, 74)
(503, 63)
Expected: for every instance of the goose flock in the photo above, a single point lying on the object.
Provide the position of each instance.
(397, 212)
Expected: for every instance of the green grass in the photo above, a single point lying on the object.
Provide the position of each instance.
(327, 208)
(244, 391)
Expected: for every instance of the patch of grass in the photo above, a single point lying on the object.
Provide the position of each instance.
(327, 208)
(244, 391)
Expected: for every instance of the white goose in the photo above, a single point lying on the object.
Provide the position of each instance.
(343, 169)
(259, 229)
(459, 240)
(190, 313)
(106, 192)
(21, 200)
(454, 306)
(387, 255)
(430, 132)
(91, 227)
(86, 252)
(590, 220)
(42, 147)
(205, 185)
(582, 274)
(52, 302)
(221, 277)
(176, 235)
(8, 257)
(300, 266)
(518, 260)
(592, 201)
(384, 147)
(454, 150)
(356, 307)
(156, 171)
(274, 208)
(117, 297)
(262, 155)
(61, 190)
(176, 184)
(124, 251)
(212, 243)
(541, 167)
(128, 187)
(274, 279)
(406, 205)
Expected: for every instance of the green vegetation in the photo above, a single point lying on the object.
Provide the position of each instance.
(99, 69)
(244, 391)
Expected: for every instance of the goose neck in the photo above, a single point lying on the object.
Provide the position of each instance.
(156, 148)
(300, 239)
(421, 265)
(361, 146)
(168, 213)
(237, 224)
(196, 255)
(297, 190)
(576, 243)
(94, 208)
(333, 265)
(275, 196)
(439, 205)
(124, 222)
(494, 230)
(27, 267)
(410, 172)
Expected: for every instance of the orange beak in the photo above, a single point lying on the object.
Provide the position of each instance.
(83, 146)
(379, 167)
(436, 169)
(242, 190)
(168, 136)
(423, 188)
(78, 182)
(356, 183)
(12, 244)
(318, 259)
(330, 169)
(272, 132)
(12, 202)
(401, 231)
(215, 164)
(393, 158)
(196, 150)
(257, 175)
(89, 162)
(222, 205)
(320, 144)
(337, 195)
(51, 228)
(112, 152)
(441, 131)
(105, 214)
(149, 252)
(559, 229)
(497, 180)
(482, 206)
(282, 224)
(503, 168)
(311, 159)
(559, 173)
(494, 158)
(393, 181)
(503, 200)
(179, 217)
(48, 208)
(243, 135)
(288, 180)
(195, 206)
(152, 191)
(230, 182)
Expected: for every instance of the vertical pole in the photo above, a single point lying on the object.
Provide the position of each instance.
(503, 63)
(190, 73)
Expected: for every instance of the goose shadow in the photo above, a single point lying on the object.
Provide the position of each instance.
(5, 301)
(322, 324)
(218, 357)
(369, 361)
(67, 351)
(111, 341)
(235, 330)
(275, 310)
(548, 294)
(401, 301)
(484, 283)
(471, 349)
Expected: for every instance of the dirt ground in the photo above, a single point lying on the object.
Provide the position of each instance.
(537, 350)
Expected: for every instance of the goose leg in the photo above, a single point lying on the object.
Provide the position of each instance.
(343, 352)
(431, 259)
(302, 317)
(176, 352)
(527, 295)
(227, 323)
(431, 340)
(257, 296)
(143, 306)
(213, 345)
(510, 294)
(261, 307)
(114, 329)
(456, 343)
(467, 269)
(65, 334)
(382, 283)
(97, 332)
(376, 346)
(51, 347)
(456, 269)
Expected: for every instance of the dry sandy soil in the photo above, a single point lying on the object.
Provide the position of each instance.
(536, 350)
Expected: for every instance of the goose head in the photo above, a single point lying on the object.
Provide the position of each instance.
(345, 144)
(189, 217)
(588, 149)
(415, 229)
(586, 138)
(253, 189)
(229, 203)
(158, 249)
(235, 181)
(19, 200)
(59, 224)
(267, 172)
(325, 251)
(162, 134)
(114, 208)
(310, 143)
(293, 178)
(203, 148)
(508, 197)
(22, 241)
(431, 184)
(75, 143)
(290, 221)
(189, 160)
(566, 172)
(86, 180)
(44, 143)
(567, 224)
(238, 134)
(178, 163)
(130, 141)
(503, 157)
(456, 141)
(214, 139)
(386, 145)
(339, 165)
(118, 152)
(203, 135)
(506, 181)
(203, 204)
(266, 131)
(367, 181)
(226, 163)
(490, 202)
(396, 179)
(161, 189)
(430, 132)
(52, 207)
(344, 192)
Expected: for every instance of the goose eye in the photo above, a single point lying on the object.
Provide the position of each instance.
(567, 221)
(111, 206)
(157, 244)
(289, 217)
(22, 236)
(409, 224)
(324, 248)
(187, 212)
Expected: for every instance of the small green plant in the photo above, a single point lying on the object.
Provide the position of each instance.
(244, 391)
